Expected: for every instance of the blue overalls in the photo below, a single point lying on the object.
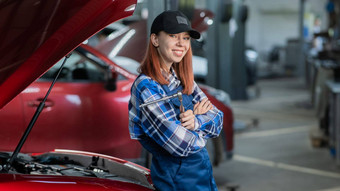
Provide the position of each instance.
(192, 173)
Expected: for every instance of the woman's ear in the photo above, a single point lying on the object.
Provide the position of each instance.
(154, 40)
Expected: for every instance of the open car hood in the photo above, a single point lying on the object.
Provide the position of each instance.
(36, 34)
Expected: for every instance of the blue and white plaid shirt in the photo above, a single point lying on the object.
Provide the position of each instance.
(160, 122)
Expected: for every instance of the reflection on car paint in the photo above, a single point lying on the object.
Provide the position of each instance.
(122, 43)
(51, 182)
(31, 90)
(75, 99)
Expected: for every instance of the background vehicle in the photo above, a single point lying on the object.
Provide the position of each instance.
(35, 35)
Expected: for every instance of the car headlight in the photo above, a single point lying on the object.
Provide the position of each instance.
(220, 95)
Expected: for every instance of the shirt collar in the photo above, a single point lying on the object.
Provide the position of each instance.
(171, 78)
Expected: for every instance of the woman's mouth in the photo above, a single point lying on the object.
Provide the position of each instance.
(178, 52)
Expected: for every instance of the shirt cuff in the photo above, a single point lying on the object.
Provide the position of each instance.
(197, 125)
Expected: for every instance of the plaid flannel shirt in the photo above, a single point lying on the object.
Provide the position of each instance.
(160, 122)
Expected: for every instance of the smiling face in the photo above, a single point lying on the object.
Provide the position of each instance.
(171, 47)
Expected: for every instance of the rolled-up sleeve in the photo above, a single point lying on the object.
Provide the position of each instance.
(209, 124)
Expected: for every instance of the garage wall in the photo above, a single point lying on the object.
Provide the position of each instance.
(272, 22)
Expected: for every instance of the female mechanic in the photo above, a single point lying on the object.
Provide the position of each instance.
(174, 133)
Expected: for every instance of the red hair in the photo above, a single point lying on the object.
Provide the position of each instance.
(151, 66)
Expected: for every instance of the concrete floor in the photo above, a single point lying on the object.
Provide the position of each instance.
(277, 154)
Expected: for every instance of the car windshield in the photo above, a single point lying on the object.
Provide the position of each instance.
(127, 63)
(76, 68)
(82, 66)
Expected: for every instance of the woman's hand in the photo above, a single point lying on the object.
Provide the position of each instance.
(202, 107)
(188, 119)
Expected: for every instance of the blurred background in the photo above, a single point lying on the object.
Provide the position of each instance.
(276, 65)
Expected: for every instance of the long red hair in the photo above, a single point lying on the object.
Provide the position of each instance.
(151, 66)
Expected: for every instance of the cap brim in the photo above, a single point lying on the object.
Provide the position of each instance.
(193, 33)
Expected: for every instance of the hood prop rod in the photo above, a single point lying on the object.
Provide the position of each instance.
(8, 165)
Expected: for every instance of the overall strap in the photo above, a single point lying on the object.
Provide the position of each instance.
(187, 99)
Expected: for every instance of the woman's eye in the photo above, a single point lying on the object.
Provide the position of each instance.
(186, 38)
(172, 35)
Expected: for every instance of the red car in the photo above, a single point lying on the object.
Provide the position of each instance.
(34, 36)
(85, 110)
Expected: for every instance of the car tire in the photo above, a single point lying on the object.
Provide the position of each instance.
(215, 150)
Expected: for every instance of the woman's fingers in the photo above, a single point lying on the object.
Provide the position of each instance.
(199, 108)
(203, 106)
(189, 125)
(210, 106)
(205, 103)
(188, 119)
(195, 106)
(187, 115)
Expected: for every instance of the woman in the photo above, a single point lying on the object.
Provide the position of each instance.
(175, 135)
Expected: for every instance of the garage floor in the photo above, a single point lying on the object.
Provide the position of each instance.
(277, 154)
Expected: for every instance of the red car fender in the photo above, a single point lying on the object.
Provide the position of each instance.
(15, 182)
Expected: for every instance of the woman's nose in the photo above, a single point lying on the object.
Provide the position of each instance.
(179, 41)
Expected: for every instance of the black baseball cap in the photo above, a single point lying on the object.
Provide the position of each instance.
(173, 22)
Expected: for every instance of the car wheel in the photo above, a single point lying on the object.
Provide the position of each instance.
(215, 150)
